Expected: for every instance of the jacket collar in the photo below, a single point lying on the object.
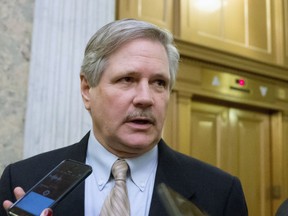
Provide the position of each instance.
(171, 171)
(76, 197)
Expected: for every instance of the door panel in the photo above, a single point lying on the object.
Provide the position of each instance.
(208, 124)
(240, 27)
(250, 130)
(237, 141)
(159, 12)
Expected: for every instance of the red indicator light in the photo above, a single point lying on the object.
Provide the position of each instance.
(240, 82)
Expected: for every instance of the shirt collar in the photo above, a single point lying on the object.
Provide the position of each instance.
(101, 161)
(141, 168)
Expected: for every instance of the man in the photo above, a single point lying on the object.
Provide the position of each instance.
(128, 71)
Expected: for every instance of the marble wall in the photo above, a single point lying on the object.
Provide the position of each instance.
(16, 19)
(41, 48)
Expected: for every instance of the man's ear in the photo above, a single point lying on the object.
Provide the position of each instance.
(85, 91)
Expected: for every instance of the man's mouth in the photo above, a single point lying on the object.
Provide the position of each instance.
(141, 121)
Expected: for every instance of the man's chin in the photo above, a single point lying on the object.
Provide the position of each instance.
(140, 146)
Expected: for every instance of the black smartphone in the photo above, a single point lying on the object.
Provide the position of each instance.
(175, 204)
(51, 189)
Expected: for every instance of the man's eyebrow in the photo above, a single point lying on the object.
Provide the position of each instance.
(161, 75)
(138, 74)
(126, 73)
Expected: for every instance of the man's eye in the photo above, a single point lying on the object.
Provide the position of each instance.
(161, 83)
(126, 79)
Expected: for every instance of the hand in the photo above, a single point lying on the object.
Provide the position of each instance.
(19, 192)
(47, 212)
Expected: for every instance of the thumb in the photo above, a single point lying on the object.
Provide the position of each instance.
(47, 212)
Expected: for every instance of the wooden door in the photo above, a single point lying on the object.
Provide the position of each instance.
(233, 139)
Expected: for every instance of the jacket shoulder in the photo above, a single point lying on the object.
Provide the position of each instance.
(28, 171)
(215, 191)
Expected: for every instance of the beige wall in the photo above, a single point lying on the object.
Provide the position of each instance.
(16, 18)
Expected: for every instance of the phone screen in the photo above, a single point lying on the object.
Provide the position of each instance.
(53, 187)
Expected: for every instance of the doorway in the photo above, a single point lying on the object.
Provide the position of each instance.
(236, 140)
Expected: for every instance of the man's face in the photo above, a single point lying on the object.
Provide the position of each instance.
(129, 104)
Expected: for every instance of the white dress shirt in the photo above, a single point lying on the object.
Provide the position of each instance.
(140, 180)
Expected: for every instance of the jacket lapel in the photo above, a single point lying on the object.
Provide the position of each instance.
(170, 171)
(73, 204)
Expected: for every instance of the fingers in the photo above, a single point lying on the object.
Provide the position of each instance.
(19, 192)
(7, 204)
(47, 212)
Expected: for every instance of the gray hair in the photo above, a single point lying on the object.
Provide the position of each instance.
(112, 36)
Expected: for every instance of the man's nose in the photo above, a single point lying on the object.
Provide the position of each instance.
(143, 95)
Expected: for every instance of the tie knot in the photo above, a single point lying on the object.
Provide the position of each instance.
(119, 169)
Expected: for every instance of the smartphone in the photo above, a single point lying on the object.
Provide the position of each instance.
(51, 189)
(175, 204)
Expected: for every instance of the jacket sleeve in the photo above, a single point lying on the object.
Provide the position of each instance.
(6, 189)
(236, 204)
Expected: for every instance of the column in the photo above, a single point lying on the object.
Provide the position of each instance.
(55, 115)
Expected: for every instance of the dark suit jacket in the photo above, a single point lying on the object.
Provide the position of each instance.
(283, 209)
(212, 190)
